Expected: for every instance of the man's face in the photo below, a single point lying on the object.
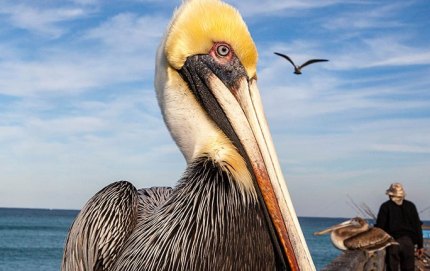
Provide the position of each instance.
(397, 200)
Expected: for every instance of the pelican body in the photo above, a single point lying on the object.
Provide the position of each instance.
(355, 234)
(231, 209)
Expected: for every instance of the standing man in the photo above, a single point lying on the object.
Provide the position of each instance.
(399, 218)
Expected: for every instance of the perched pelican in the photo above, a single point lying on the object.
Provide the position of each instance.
(355, 234)
(231, 209)
(298, 69)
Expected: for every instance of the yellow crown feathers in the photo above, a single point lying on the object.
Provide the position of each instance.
(198, 24)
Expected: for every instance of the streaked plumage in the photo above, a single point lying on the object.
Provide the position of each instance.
(298, 69)
(101, 228)
(355, 234)
(184, 239)
(231, 209)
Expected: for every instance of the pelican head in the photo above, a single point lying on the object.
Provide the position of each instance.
(206, 84)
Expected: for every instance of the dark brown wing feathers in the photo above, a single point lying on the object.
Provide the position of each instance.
(371, 239)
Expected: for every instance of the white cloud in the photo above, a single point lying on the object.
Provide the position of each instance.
(414, 58)
(358, 53)
(7, 51)
(120, 50)
(75, 115)
(50, 76)
(45, 21)
(90, 146)
(402, 148)
(129, 32)
(355, 40)
(289, 97)
(383, 51)
(374, 16)
(86, 2)
(254, 7)
(394, 135)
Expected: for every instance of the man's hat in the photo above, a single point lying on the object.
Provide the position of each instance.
(396, 190)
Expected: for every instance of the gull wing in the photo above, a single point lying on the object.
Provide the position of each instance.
(312, 61)
(287, 58)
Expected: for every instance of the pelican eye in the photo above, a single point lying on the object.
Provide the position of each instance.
(222, 50)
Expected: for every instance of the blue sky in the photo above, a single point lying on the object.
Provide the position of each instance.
(78, 108)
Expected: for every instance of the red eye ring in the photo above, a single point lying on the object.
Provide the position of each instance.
(221, 52)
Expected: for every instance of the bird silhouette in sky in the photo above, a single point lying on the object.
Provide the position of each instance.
(298, 69)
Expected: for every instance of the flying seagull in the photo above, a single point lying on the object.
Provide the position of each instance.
(231, 209)
(298, 69)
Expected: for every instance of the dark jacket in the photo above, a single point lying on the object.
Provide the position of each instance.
(400, 220)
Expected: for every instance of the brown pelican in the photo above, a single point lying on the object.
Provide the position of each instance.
(231, 209)
(355, 234)
(298, 69)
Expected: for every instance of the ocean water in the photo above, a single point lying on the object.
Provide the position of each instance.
(33, 239)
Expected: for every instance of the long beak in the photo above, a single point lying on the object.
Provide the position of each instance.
(239, 113)
(250, 124)
(335, 227)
